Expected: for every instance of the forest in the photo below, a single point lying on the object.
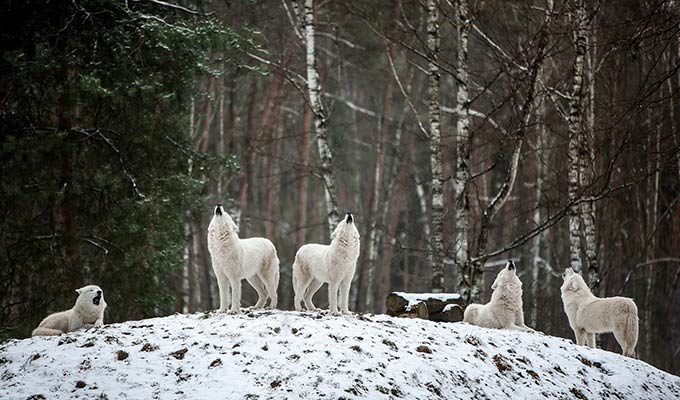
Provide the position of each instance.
(459, 133)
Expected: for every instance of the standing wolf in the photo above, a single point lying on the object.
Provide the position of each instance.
(234, 259)
(88, 312)
(589, 315)
(316, 264)
(504, 311)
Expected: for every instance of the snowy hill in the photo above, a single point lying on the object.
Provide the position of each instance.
(287, 355)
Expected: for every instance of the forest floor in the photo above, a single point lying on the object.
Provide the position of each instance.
(289, 355)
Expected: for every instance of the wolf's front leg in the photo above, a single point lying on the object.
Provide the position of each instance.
(333, 297)
(344, 295)
(223, 285)
(235, 296)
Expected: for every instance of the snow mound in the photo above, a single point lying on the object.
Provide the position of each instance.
(287, 355)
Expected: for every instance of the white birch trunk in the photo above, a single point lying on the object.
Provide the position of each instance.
(373, 232)
(462, 174)
(422, 221)
(587, 172)
(437, 193)
(320, 128)
(576, 136)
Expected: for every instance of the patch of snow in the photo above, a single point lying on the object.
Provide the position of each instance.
(291, 355)
(448, 307)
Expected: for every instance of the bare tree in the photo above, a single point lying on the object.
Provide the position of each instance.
(437, 186)
(314, 87)
(577, 142)
(462, 175)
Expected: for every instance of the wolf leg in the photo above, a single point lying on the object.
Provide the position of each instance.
(257, 284)
(333, 297)
(312, 288)
(39, 331)
(235, 295)
(344, 294)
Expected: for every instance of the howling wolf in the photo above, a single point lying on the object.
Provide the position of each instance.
(504, 311)
(589, 315)
(88, 312)
(234, 259)
(316, 264)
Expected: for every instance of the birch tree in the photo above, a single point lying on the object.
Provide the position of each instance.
(437, 186)
(471, 288)
(462, 174)
(319, 116)
(588, 165)
(577, 148)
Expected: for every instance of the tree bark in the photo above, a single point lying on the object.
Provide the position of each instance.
(437, 186)
(462, 175)
(576, 134)
(314, 87)
(588, 168)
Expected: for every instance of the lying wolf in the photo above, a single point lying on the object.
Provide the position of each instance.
(88, 312)
(504, 311)
(589, 315)
(234, 259)
(316, 264)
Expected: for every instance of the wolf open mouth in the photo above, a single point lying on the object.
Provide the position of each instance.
(97, 299)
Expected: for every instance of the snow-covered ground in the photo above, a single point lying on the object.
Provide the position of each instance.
(288, 355)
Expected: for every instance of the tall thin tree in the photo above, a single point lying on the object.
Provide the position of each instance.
(314, 88)
(437, 185)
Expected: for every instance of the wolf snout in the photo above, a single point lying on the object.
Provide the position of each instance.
(99, 292)
(349, 218)
(511, 265)
(218, 209)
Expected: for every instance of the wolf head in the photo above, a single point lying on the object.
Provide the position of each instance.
(90, 296)
(507, 276)
(346, 227)
(573, 282)
(222, 220)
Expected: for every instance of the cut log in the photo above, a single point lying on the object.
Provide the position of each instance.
(442, 307)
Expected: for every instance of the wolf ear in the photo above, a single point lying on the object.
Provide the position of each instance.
(79, 291)
(234, 227)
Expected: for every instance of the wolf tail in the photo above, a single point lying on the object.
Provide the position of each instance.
(631, 330)
(40, 331)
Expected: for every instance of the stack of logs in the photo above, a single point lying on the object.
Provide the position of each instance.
(438, 307)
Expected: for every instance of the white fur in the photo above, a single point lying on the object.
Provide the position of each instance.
(316, 264)
(234, 259)
(589, 315)
(504, 311)
(84, 314)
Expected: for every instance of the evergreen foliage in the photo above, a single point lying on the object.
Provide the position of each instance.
(96, 161)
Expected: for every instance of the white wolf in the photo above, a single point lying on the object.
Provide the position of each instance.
(234, 259)
(589, 315)
(88, 312)
(504, 311)
(316, 264)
